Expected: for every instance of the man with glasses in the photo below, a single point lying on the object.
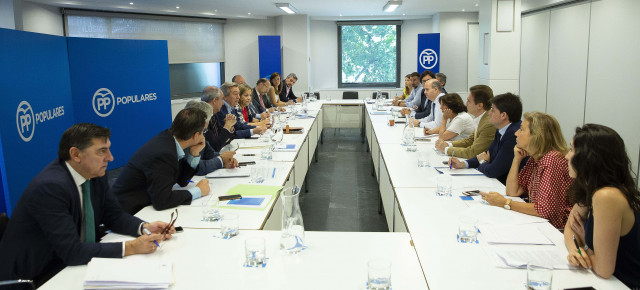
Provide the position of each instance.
(151, 172)
(55, 223)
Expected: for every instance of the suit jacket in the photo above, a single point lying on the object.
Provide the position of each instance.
(150, 174)
(501, 155)
(265, 99)
(43, 235)
(287, 97)
(209, 160)
(473, 145)
(424, 109)
(217, 136)
(242, 130)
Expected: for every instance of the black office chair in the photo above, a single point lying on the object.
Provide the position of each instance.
(349, 95)
(12, 284)
(374, 95)
(317, 94)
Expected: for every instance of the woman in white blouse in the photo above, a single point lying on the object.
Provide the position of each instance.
(456, 122)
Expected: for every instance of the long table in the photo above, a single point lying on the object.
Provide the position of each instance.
(422, 246)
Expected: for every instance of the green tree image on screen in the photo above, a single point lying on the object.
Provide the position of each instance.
(369, 54)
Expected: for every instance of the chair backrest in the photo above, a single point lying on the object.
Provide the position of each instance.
(317, 94)
(349, 95)
(374, 95)
(4, 220)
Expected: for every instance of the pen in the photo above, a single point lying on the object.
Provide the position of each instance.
(191, 181)
(274, 173)
(156, 242)
(577, 247)
(453, 151)
(248, 155)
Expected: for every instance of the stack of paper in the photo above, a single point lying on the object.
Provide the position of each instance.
(127, 273)
(508, 257)
(285, 148)
(233, 172)
(519, 234)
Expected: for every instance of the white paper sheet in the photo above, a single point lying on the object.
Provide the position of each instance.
(227, 172)
(494, 215)
(128, 273)
(519, 234)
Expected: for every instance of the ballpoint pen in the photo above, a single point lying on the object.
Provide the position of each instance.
(146, 231)
(453, 151)
(577, 247)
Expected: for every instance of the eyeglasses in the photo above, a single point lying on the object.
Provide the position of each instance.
(172, 221)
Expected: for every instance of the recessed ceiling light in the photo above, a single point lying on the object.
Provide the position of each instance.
(286, 7)
(177, 7)
(215, 10)
(476, 4)
(130, 3)
(403, 14)
(462, 9)
(391, 6)
(249, 13)
(340, 15)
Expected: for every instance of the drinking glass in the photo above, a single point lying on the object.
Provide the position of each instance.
(229, 227)
(539, 277)
(379, 274)
(254, 251)
(443, 185)
(468, 229)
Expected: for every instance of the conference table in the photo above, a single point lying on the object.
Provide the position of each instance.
(421, 243)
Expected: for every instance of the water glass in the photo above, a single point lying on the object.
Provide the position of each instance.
(539, 277)
(411, 147)
(329, 98)
(254, 251)
(229, 227)
(468, 229)
(210, 214)
(379, 274)
(443, 182)
(258, 174)
(267, 153)
(423, 159)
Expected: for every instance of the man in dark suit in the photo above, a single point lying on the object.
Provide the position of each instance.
(505, 114)
(56, 219)
(287, 94)
(211, 160)
(423, 109)
(259, 97)
(221, 129)
(151, 172)
(230, 98)
(442, 78)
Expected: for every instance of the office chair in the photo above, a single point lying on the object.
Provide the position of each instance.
(17, 284)
(374, 95)
(349, 95)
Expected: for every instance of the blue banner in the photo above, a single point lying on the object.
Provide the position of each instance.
(35, 107)
(270, 56)
(122, 85)
(429, 52)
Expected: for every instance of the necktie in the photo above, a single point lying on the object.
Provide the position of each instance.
(261, 102)
(89, 223)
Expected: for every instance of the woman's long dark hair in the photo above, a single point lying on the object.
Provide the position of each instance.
(278, 89)
(600, 160)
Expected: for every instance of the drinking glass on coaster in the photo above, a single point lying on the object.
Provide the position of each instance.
(267, 153)
(468, 229)
(210, 214)
(443, 185)
(229, 227)
(254, 251)
(423, 159)
(379, 274)
(258, 174)
(539, 277)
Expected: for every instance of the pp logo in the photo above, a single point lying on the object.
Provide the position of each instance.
(428, 58)
(103, 102)
(25, 121)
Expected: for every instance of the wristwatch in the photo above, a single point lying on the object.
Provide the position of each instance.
(506, 204)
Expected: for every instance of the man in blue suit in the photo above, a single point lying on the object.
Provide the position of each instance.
(230, 97)
(505, 114)
(287, 94)
(56, 219)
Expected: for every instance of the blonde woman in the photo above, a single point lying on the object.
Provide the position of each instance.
(545, 176)
(247, 113)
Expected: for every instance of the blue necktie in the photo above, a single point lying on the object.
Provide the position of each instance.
(89, 223)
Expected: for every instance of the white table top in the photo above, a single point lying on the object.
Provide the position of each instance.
(333, 260)
(433, 223)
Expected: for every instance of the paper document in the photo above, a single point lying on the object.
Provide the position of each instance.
(147, 273)
(458, 172)
(227, 172)
(493, 215)
(519, 234)
(510, 257)
(285, 148)
(256, 201)
(380, 113)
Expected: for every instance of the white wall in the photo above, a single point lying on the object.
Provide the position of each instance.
(6, 14)
(592, 66)
(453, 48)
(324, 54)
(42, 18)
(294, 30)
(409, 46)
(241, 47)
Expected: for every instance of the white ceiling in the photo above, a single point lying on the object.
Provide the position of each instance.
(260, 9)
